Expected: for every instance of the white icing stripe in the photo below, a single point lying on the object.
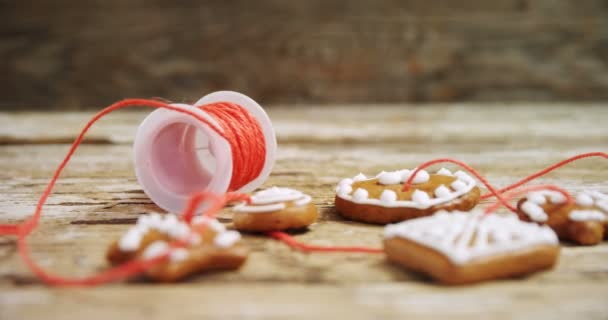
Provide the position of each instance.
(583, 199)
(534, 211)
(275, 194)
(243, 207)
(451, 233)
(274, 199)
(227, 239)
(304, 201)
(361, 196)
(587, 215)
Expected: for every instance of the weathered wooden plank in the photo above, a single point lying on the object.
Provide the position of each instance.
(98, 197)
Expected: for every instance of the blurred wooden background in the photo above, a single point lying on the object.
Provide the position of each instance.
(67, 54)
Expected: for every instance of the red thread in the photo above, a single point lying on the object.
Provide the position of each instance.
(408, 183)
(547, 170)
(293, 243)
(246, 139)
(237, 137)
(524, 190)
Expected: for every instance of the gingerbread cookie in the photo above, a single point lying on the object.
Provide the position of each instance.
(275, 209)
(465, 247)
(584, 222)
(381, 199)
(209, 246)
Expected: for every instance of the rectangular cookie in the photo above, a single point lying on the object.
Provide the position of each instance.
(459, 247)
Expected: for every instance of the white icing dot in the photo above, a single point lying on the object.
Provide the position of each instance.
(405, 174)
(537, 197)
(556, 197)
(345, 182)
(598, 195)
(344, 189)
(180, 230)
(421, 197)
(584, 199)
(388, 196)
(387, 178)
(179, 254)
(534, 211)
(461, 175)
(359, 177)
(442, 192)
(155, 249)
(587, 215)
(445, 172)
(421, 177)
(360, 194)
(226, 239)
(130, 240)
(458, 185)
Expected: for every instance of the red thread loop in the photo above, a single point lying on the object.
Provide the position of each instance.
(408, 183)
(547, 170)
(524, 190)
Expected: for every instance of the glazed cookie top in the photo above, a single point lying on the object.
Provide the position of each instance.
(274, 199)
(385, 189)
(589, 206)
(172, 228)
(464, 236)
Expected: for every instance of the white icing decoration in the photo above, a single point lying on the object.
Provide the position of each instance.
(421, 177)
(534, 211)
(537, 197)
(421, 197)
(445, 172)
(388, 197)
(359, 177)
(461, 175)
(442, 192)
(179, 254)
(167, 224)
(603, 205)
(344, 189)
(273, 199)
(451, 234)
(276, 194)
(226, 239)
(304, 201)
(387, 178)
(213, 224)
(598, 195)
(155, 249)
(130, 240)
(587, 215)
(583, 199)
(360, 194)
(405, 174)
(463, 185)
(459, 185)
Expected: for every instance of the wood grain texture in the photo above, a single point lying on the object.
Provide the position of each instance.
(63, 54)
(98, 198)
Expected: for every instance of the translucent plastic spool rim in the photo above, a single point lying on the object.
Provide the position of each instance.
(166, 161)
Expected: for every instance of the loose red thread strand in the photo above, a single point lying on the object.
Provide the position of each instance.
(511, 195)
(408, 183)
(23, 229)
(547, 170)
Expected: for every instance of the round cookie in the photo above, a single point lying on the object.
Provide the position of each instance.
(381, 199)
(275, 209)
(584, 222)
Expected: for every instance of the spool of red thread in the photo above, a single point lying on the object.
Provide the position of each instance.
(176, 155)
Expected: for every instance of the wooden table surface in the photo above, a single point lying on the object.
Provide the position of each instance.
(98, 198)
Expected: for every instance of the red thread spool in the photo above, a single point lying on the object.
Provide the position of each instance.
(176, 155)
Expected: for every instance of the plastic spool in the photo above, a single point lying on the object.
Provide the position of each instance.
(169, 152)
